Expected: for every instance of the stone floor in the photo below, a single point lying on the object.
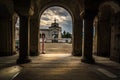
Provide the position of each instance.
(58, 48)
(56, 66)
(59, 67)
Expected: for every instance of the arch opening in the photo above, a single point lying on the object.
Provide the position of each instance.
(104, 28)
(17, 30)
(56, 24)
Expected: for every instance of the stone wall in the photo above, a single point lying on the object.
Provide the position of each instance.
(115, 38)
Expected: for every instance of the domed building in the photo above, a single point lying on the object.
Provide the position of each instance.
(53, 34)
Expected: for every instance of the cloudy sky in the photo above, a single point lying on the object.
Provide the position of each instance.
(58, 13)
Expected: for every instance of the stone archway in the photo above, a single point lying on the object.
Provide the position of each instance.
(77, 25)
(105, 15)
(25, 8)
(88, 13)
(56, 23)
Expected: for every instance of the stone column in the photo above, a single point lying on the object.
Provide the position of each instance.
(24, 40)
(7, 47)
(13, 43)
(115, 38)
(104, 35)
(95, 35)
(25, 9)
(88, 38)
(77, 36)
(34, 37)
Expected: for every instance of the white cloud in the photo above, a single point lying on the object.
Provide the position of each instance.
(58, 13)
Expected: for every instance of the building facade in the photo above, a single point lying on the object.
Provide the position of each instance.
(53, 34)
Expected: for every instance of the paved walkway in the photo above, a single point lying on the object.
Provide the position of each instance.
(58, 48)
(58, 64)
(59, 67)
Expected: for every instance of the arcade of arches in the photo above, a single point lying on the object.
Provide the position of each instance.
(103, 15)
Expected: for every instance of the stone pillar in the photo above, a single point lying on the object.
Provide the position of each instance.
(115, 38)
(25, 9)
(13, 35)
(34, 37)
(24, 40)
(77, 36)
(104, 35)
(7, 47)
(104, 31)
(95, 36)
(88, 38)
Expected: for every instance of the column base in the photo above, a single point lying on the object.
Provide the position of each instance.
(34, 53)
(2, 54)
(88, 60)
(22, 61)
(77, 53)
(105, 54)
(114, 58)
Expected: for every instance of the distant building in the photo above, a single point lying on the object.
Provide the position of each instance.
(53, 34)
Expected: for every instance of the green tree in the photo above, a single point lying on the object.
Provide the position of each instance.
(66, 35)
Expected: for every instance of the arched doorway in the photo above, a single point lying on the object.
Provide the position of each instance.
(17, 29)
(56, 24)
(77, 27)
(106, 29)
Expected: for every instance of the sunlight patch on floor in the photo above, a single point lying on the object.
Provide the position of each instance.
(9, 73)
(55, 55)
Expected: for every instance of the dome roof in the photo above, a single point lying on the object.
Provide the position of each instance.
(55, 24)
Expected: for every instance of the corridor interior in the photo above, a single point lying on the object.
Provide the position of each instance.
(81, 61)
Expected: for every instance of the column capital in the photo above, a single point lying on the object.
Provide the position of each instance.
(89, 14)
(24, 7)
